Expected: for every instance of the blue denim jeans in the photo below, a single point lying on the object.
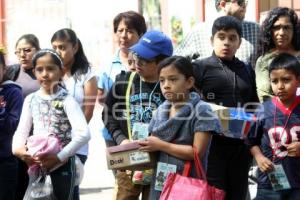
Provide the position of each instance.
(291, 194)
(8, 177)
(63, 180)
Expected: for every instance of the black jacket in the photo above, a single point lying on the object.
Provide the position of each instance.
(227, 83)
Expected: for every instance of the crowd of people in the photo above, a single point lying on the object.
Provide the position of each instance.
(51, 93)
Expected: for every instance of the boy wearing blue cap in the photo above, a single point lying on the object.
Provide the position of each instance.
(133, 98)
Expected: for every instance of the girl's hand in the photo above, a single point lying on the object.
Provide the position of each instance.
(264, 164)
(152, 143)
(48, 162)
(27, 158)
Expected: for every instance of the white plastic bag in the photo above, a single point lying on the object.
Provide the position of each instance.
(40, 188)
(79, 171)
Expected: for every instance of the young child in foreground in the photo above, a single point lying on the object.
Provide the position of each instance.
(275, 142)
(181, 124)
(52, 111)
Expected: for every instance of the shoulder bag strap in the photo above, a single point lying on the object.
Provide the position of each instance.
(198, 165)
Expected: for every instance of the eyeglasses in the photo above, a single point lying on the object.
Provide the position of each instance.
(139, 61)
(24, 50)
(284, 27)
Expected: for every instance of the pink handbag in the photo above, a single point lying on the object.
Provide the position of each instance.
(182, 187)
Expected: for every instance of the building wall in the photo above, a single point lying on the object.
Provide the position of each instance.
(295, 4)
(90, 19)
(266, 5)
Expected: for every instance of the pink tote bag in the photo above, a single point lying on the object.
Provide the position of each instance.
(182, 187)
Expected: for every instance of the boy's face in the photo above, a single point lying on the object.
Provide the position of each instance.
(147, 69)
(284, 84)
(131, 65)
(225, 43)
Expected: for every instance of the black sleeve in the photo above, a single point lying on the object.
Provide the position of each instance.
(253, 81)
(12, 72)
(198, 70)
(114, 104)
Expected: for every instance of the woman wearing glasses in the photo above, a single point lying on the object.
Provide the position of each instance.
(279, 34)
(27, 45)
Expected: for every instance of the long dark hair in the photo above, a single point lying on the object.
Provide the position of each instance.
(266, 42)
(81, 64)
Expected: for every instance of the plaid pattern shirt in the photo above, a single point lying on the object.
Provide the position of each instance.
(198, 42)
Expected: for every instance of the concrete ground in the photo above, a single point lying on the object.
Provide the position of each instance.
(98, 181)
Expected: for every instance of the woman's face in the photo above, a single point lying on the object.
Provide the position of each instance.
(66, 50)
(126, 37)
(24, 52)
(282, 32)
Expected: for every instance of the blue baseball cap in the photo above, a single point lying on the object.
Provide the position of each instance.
(152, 44)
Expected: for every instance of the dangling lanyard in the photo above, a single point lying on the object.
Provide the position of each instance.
(141, 101)
(278, 146)
(127, 103)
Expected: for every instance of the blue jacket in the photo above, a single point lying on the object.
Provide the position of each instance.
(11, 101)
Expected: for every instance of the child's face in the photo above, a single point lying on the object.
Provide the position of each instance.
(131, 65)
(282, 33)
(284, 84)
(47, 73)
(66, 50)
(174, 85)
(147, 69)
(225, 43)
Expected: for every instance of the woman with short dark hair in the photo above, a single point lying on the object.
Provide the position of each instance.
(128, 28)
